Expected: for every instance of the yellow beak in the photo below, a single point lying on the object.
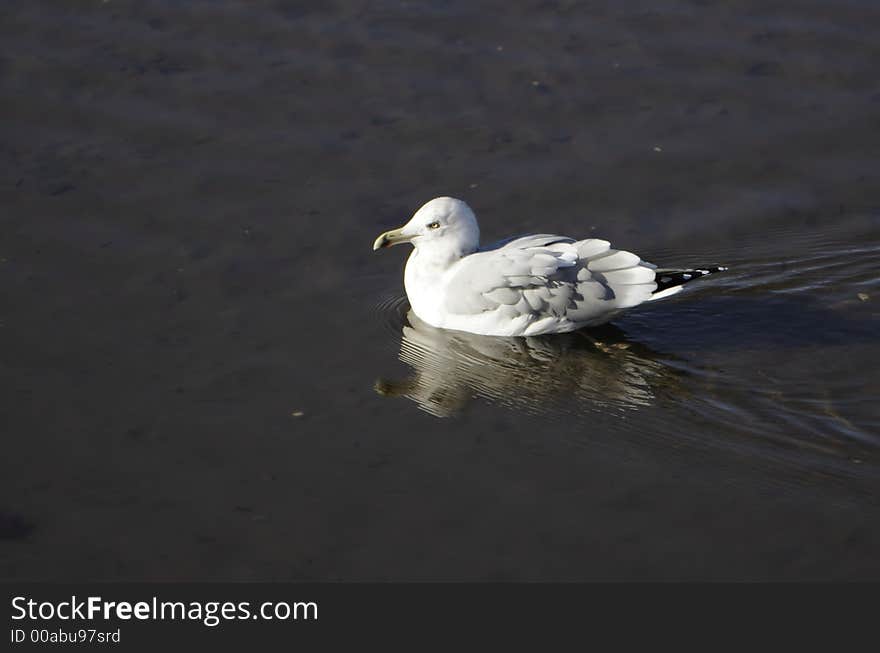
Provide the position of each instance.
(389, 238)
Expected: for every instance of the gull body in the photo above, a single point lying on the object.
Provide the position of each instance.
(532, 285)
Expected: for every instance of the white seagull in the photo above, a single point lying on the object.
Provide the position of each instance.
(526, 286)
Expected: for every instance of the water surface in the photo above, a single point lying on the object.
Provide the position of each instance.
(209, 375)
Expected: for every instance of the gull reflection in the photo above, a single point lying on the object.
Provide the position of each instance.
(575, 372)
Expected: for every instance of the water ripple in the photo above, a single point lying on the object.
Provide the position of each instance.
(769, 360)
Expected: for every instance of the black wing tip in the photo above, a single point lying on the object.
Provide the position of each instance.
(670, 278)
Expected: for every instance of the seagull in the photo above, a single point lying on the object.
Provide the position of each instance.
(527, 286)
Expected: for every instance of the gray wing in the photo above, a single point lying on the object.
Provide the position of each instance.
(550, 276)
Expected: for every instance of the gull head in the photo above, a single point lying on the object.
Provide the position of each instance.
(444, 224)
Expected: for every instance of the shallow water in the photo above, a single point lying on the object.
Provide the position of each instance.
(211, 376)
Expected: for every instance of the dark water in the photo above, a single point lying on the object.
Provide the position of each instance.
(208, 374)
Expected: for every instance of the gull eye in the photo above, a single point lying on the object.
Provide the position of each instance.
(434, 225)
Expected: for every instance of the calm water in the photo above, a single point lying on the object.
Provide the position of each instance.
(209, 375)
